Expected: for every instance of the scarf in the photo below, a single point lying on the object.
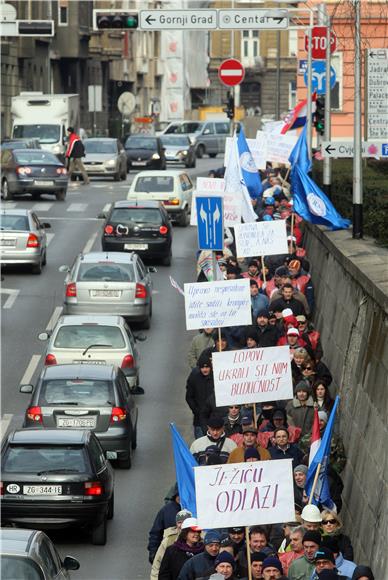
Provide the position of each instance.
(189, 550)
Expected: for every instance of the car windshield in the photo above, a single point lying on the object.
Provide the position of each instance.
(183, 128)
(36, 458)
(140, 215)
(19, 567)
(45, 133)
(106, 272)
(14, 222)
(176, 140)
(100, 146)
(79, 391)
(155, 183)
(15, 145)
(85, 335)
(36, 157)
(141, 143)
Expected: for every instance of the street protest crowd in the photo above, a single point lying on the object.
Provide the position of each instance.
(310, 543)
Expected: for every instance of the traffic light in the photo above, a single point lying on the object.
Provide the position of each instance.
(35, 27)
(115, 20)
(319, 117)
(229, 109)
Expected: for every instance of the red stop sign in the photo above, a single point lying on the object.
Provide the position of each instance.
(318, 42)
(231, 72)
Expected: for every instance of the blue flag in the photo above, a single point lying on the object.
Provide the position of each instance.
(299, 156)
(322, 492)
(184, 463)
(249, 173)
(312, 204)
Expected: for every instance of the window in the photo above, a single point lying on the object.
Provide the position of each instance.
(83, 392)
(97, 454)
(222, 128)
(45, 554)
(19, 567)
(336, 91)
(208, 129)
(106, 272)
(292, 43)
(291, 94)
(63, 16)
(139, 215)
(83, 336)
(250, 47)
(159, 184)
(33, 459)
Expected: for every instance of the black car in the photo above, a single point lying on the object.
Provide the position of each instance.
(56, 479)
(143, 227)
(145, 152)
(34, 171)
(95, 397)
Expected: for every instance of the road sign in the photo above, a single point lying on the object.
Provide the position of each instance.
(231, 72)
(377, 83)
(336, 149)
(252, 19)
(319, 41)
(302, 66)
(210, 217)
(319, 77)
(178, 19)
(126, 103)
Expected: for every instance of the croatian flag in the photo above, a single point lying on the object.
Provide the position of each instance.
(297, 117)
(315, 437)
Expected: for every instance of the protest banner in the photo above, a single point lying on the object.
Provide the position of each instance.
(279, 147)
(258, 153)
(217, 304)
(261, 238)
(209, 185)
(244, 494)
(252, 375)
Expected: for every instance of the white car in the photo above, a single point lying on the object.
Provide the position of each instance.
(173, 188)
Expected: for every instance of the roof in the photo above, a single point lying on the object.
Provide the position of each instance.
(16, 540)
(94, 257)
(75, 319)
(160, 173)
(98, 372)
(22, 212)
(140, 203)
(48, 436)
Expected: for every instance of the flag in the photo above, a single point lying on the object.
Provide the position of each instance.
(184, 464)
(321, 493)
(300, 154)
(315, 436)
(312, 204)
(297, 117)
(176, 286)
(248, 170)
(234, 185)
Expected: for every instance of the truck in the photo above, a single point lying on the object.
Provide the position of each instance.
(45, 117)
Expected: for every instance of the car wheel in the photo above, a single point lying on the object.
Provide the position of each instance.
(116, 177)
(167, 260)
(44, 261)
(146, 324)
(134, 438)
(184, 219)
(7, 195)
(61, 195)
(99, 533)
(125, 460)
(111, 507)
(200, 151)
(37, 268)
(212, 155)
(194, 163)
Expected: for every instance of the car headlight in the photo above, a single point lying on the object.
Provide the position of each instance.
(193, 140)
(155, 156)
(57, 149)
(110, 163)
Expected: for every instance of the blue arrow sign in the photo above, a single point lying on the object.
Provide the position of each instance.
(319, 77)
(210, 218)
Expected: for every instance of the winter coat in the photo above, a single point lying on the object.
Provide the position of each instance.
(174, 559)
(209, 408)
(165, 518)
(300, 569)
(206, 445)
(296, 305)
(198, 345)
(237, 455)
(75, 148)
(258, 302)
(344, 544)
(292, 452)
(267, 336)
(198, 567)
(169, 537)
(301, 415)
(198, 389)
(276, 295)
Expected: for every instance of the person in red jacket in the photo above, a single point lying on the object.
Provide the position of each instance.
(74, 153)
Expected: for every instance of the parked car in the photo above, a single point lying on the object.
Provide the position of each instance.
(143, 227)
(144, 151)
(56, 478)
(95, 397)
(32, 555)
(210, 138)
(23, 239)
(109, 283)
(34, 171)
(179, 149)
(173, 188)
(20, 144)
(96, 340)
(104, 158)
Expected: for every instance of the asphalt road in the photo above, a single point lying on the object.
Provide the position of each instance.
(30, 304)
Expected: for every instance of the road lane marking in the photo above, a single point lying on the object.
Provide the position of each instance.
(13, 294)
(50, 238)
(106, 207)
(75, 219)
(54, 318)
(90, 242)
(8, 205)
(29, 372)
(42, 207)
(4, 424)
(77, 207)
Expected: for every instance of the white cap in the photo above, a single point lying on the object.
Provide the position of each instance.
(287, 312)
(311, 513)
(191, 523)
(292, 332)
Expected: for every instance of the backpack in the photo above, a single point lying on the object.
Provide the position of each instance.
(78, 149)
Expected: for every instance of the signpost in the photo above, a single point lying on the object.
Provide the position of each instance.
(210, 221)
(337, 149)
(319, 41)
(377, 91)
(231, 72)
(252, 19)
(319, 77)
(178, 19)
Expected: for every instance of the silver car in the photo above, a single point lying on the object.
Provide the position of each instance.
(109, 283)
(23, 239)
(100, 340)
(31, 554)
(105, 157)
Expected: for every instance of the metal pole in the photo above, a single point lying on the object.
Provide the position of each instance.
(94, 112)
(357, 159)
(277, 110)
(309, 91)
(327, 160)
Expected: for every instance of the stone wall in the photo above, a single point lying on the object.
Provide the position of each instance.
(351, 284)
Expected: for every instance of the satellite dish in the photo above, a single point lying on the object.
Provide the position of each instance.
(126, 103)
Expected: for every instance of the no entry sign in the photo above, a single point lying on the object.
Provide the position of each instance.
(318, 42)
(231, 72)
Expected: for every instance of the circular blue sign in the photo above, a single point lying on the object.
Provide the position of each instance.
(319, 77)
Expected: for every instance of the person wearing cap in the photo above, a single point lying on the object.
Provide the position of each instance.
(253, 272)
(288, 300)
(295, 548)
(324, 560)
(344, 566)
(258, 301)
(204, 339)
(165, 518)
(267, 335)
(169, 537)
(237, 536)
(363, 573)
(199, 386)
(302, 568)
(249, 442)
(202, 565)
(257, 559)
(271, 568)
(281, 275)
(300, 475)
(214, 438)
(183, 549)
(225, 564)
(283, 449)
(300, 411)
(251, 338)
(309, 334)
(299, 278)
(233, 420)
(291, 339)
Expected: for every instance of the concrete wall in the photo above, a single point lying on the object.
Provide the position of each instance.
(351, 282)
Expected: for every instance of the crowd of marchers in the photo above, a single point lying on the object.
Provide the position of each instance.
(314, 545)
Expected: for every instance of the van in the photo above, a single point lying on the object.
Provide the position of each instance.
(210, 138)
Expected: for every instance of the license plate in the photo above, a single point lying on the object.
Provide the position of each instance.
(111, 454)
(135, 246)
(138, 162)
(42, 489)
(43, 183)
(89, 362)
(77, 422)
(7, 242)
(105, 293)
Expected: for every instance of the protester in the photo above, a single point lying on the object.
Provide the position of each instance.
(300, 473)
(285, 450)
(201, 565)
(363, 573)
(288, 300)
(311, 518)
(224, 564)
(324, 560)
(257, 559)
(183, 549)
(198, 388)
(267, 335)
(234, 421)
(249, 442)
(332, 527)
(322, 397)
(204, 339)
(237, 535)
(169, 537)
(258, 541)
(215, 439)
(302, 568)
(165, 518)
(295, 548)
(271, 569)
(300, 411)
(344, 566)
(259, 301)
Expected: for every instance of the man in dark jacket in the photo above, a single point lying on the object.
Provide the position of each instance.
(74, 153)
(288, 301)
(285, 450)
(165, 518)
(199, 387)
(202, 565)
(268, 335)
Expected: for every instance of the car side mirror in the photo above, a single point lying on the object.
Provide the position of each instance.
(43, 336)
(152, 269)
(101, 216)
(206, 132)
(64, 268)
(46, 225)
(139, 337)
(26, 389)
(137, 390)
(70, 563)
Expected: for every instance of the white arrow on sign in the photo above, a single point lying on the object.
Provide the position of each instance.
(344, 149)
(252, 19)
